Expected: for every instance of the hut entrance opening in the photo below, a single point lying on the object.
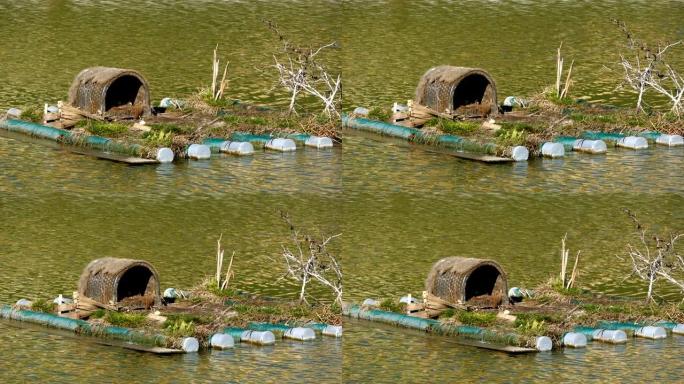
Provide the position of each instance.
(471, 90)
(134, 282)
(481, 281)
(124, 92)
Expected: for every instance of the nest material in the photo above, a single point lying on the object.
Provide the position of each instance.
(461, 280)
(466, 91)
(120, 283)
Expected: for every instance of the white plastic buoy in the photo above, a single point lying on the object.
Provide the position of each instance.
(14, 113)
(552, 150)
(332, 330)
(370, 303)
(651, 332)
(240, 148)
(319, 142)
(164, 155)
(300, 333)
(361, 111)
(24, 303)
(519, 153)
(283, 145)
(670, 140)
(575, 340)
(221, 341)
(199, 152)
(190, 344)
(678, 329)
(632, 142)
(543, 343)
(590, 146)
(608, 336)
(258, 337)
(408, 299)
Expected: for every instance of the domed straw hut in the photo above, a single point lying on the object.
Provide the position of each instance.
(461, 280)
(111, 92)
(470, 92)
(120, 283)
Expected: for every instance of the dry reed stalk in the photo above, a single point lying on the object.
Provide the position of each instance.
(219, 261)
(229, 273)
(559, 70)
(564, 93)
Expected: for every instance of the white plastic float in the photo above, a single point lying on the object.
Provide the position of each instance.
(282, 145)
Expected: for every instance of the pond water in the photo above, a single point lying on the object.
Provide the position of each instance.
(399, 207)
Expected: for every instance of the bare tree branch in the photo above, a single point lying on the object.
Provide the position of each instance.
(312, 261)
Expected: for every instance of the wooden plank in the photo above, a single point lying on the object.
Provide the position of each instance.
(140, 348)
(115, 157)
(482, 158)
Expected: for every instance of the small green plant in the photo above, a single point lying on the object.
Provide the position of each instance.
(447, 313)
(103, 128)
(380, 114)
(179, 328)
(32, 114)
(523, 318)
(564, 101)
(213, 288)
(98, 314)
(511, 137)
(160, 139)
(125, 319)
(171, 128)
(526, 127)
(454, 127)
(173, 318)
(392, 306)
(532, 327)
(42, 305)
(479, 319)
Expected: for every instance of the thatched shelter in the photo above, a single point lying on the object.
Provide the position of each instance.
(110, 92)
(462, 280)
(120, 283)
(451, 90)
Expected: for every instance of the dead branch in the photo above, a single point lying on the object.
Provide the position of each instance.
(655, 258)
(649, 70)
(310, 260)
(300, 71)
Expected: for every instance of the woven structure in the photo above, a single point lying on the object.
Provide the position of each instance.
(110, 92)
(461, 280)
(120, 283)
(458, 90)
